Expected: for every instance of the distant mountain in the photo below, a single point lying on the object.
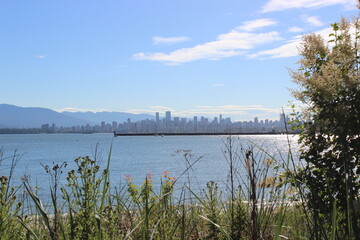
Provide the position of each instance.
(108, 117)
(32, 117)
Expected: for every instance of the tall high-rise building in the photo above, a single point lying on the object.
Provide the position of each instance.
(282, 121)
(114, 125)
(167, 116)
(282, 118)
(215, 120)
(195, 119)
(220, 118)
(157, 117)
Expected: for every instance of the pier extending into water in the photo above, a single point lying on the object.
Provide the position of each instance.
(194, 134)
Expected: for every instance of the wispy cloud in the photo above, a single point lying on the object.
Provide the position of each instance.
(250, 26)
(314, 21)
(169, 40)
(226, 45)
(161, 108)
(152, 109)
(41, 56)
(232, 108)
(72, 109)
(280, 5)
(295, 29)
(289, 48)
(218, 85)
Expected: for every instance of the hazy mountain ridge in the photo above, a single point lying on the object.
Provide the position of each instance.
(12, 116)
(33, 117)
(108, 117)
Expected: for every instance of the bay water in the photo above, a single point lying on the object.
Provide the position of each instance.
(137, 156)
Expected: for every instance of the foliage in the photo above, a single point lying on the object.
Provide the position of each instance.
(329, 83)
(9, 207)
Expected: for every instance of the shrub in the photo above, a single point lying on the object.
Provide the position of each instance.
(329, 83)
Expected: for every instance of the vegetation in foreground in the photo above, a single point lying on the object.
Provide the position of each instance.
(85, 208)
(315, 198)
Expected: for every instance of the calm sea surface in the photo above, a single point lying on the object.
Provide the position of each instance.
(135, 156)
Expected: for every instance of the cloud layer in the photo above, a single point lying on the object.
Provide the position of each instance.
(246, 39)
(314, 21)
(235, 111)
(290, 48)
(170, 40)
(236, 42)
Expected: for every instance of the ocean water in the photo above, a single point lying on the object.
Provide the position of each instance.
(137, 155)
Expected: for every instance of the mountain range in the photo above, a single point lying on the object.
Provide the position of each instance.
(33, 117)
(108, 117)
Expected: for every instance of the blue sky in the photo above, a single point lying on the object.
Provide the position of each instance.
(193, 57)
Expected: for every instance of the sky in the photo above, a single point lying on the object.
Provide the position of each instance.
(191, 57)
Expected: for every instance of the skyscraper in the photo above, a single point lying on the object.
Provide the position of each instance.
(157, 117)
(167, 116)
(282, 118)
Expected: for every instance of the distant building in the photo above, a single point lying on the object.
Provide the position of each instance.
(114, 126)
(168, 116)
(157, 117)
(215, 119)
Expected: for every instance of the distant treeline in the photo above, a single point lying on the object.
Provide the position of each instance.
(31, 131)
(20, 130)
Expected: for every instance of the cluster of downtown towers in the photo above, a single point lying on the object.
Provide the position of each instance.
(170, 124)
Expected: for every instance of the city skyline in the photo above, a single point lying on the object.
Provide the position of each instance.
(155, 56)
(169, 124)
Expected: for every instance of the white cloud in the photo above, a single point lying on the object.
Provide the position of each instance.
(41, 56)
(169, 40)
(279, 5)
(218, 85)
(230, 44)
(161, 108)
(236, 112)
(233, 111)
(209, 110)
(140, 111)
(152, 109)
(290, 48)
(295, 29)
(256, 24)
(314, 21)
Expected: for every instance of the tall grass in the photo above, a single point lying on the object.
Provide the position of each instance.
(260, 201)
